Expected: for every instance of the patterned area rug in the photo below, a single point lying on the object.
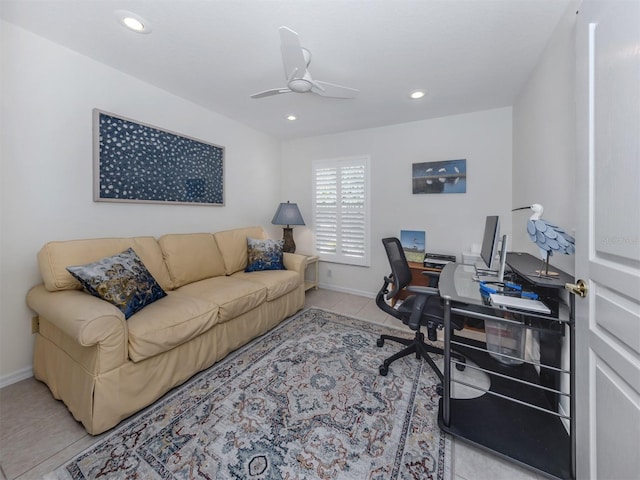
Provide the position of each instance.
(304, 401)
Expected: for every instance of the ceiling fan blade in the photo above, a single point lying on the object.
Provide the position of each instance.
(269, 93)
(293, 59)
(332, 90)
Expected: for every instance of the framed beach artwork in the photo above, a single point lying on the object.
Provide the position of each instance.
(135, 162)
(413, 244)
(448, 176)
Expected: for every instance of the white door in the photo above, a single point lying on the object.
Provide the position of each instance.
(608, 239)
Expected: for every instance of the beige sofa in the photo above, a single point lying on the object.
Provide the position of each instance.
(105, 368)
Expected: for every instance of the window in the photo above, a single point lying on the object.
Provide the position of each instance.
(341, 210)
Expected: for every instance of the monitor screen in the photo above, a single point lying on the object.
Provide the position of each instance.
(490, 240)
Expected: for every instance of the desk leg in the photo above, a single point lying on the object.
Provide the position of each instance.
(446, 383)
(572, 384)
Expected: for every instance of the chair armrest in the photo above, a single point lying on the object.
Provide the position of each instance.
(84, 318)
(419, 303)
(423, 295)
(421, 290)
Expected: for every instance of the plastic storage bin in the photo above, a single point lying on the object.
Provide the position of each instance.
(505, 339)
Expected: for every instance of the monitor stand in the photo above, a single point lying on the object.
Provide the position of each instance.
(486, 275)
(483, 270)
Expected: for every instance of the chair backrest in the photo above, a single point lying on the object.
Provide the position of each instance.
(400, 271)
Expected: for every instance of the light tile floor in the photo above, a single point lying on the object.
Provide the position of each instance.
(37, 433)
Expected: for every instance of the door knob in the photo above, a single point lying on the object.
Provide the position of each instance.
(579, 288)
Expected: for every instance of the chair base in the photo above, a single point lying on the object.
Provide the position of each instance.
(421, 349)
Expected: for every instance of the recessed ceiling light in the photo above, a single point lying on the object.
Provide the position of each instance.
(291, 117)
(133, 21)
(133, 24)
(417, 94)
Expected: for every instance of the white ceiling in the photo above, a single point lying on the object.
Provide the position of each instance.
(469, 55)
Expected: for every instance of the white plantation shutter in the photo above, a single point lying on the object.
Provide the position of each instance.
(341, 210)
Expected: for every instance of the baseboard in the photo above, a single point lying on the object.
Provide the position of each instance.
(15, 377)
(351, 291)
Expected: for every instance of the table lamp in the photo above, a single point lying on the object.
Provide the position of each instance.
(288, 214)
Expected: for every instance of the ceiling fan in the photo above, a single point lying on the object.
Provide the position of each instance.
(296, 69)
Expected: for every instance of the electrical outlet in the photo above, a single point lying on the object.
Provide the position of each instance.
(329, 272)
(35, 324)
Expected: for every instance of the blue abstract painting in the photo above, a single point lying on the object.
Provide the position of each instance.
(448, 176)
(134, 162)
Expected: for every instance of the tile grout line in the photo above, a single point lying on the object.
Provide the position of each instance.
(61, 462)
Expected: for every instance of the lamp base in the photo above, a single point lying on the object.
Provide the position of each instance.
(289, 245)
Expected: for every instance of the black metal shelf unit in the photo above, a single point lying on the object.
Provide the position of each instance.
(518, 432)
(519, 416)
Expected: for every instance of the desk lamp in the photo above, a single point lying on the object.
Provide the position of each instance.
(288, 214)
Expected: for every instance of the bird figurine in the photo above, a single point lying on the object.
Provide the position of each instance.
(548, 237)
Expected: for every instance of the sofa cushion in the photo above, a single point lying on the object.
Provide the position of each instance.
(121, 280)
(54, 257)
(191, 257)
(277, 282)
(264, 254)
(233, 246)
(167, 323)
(234, 296)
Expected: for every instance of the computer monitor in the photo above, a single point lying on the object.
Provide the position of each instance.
(487, 268)
(490, 241)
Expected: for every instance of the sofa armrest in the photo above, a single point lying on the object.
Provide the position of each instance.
(83, 318)
(295, 262)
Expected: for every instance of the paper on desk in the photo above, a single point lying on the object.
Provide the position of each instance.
(518, 302)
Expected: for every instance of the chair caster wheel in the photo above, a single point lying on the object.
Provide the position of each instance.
(380, 342)
(439, 390)
(384, 370)
(461, 365)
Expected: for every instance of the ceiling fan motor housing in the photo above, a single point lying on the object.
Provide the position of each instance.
(300, 85)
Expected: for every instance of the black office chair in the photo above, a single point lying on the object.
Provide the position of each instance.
(422, 308)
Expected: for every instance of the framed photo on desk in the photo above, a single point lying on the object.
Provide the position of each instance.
(414, 244)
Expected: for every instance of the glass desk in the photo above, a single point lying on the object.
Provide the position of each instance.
(526, 415)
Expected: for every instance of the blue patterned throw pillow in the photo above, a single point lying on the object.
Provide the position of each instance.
(264, 255)
(121, 280)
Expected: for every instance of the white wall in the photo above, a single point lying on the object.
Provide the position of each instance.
(452, 221)
(544, 150)
(544, 141)
(48, 93)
